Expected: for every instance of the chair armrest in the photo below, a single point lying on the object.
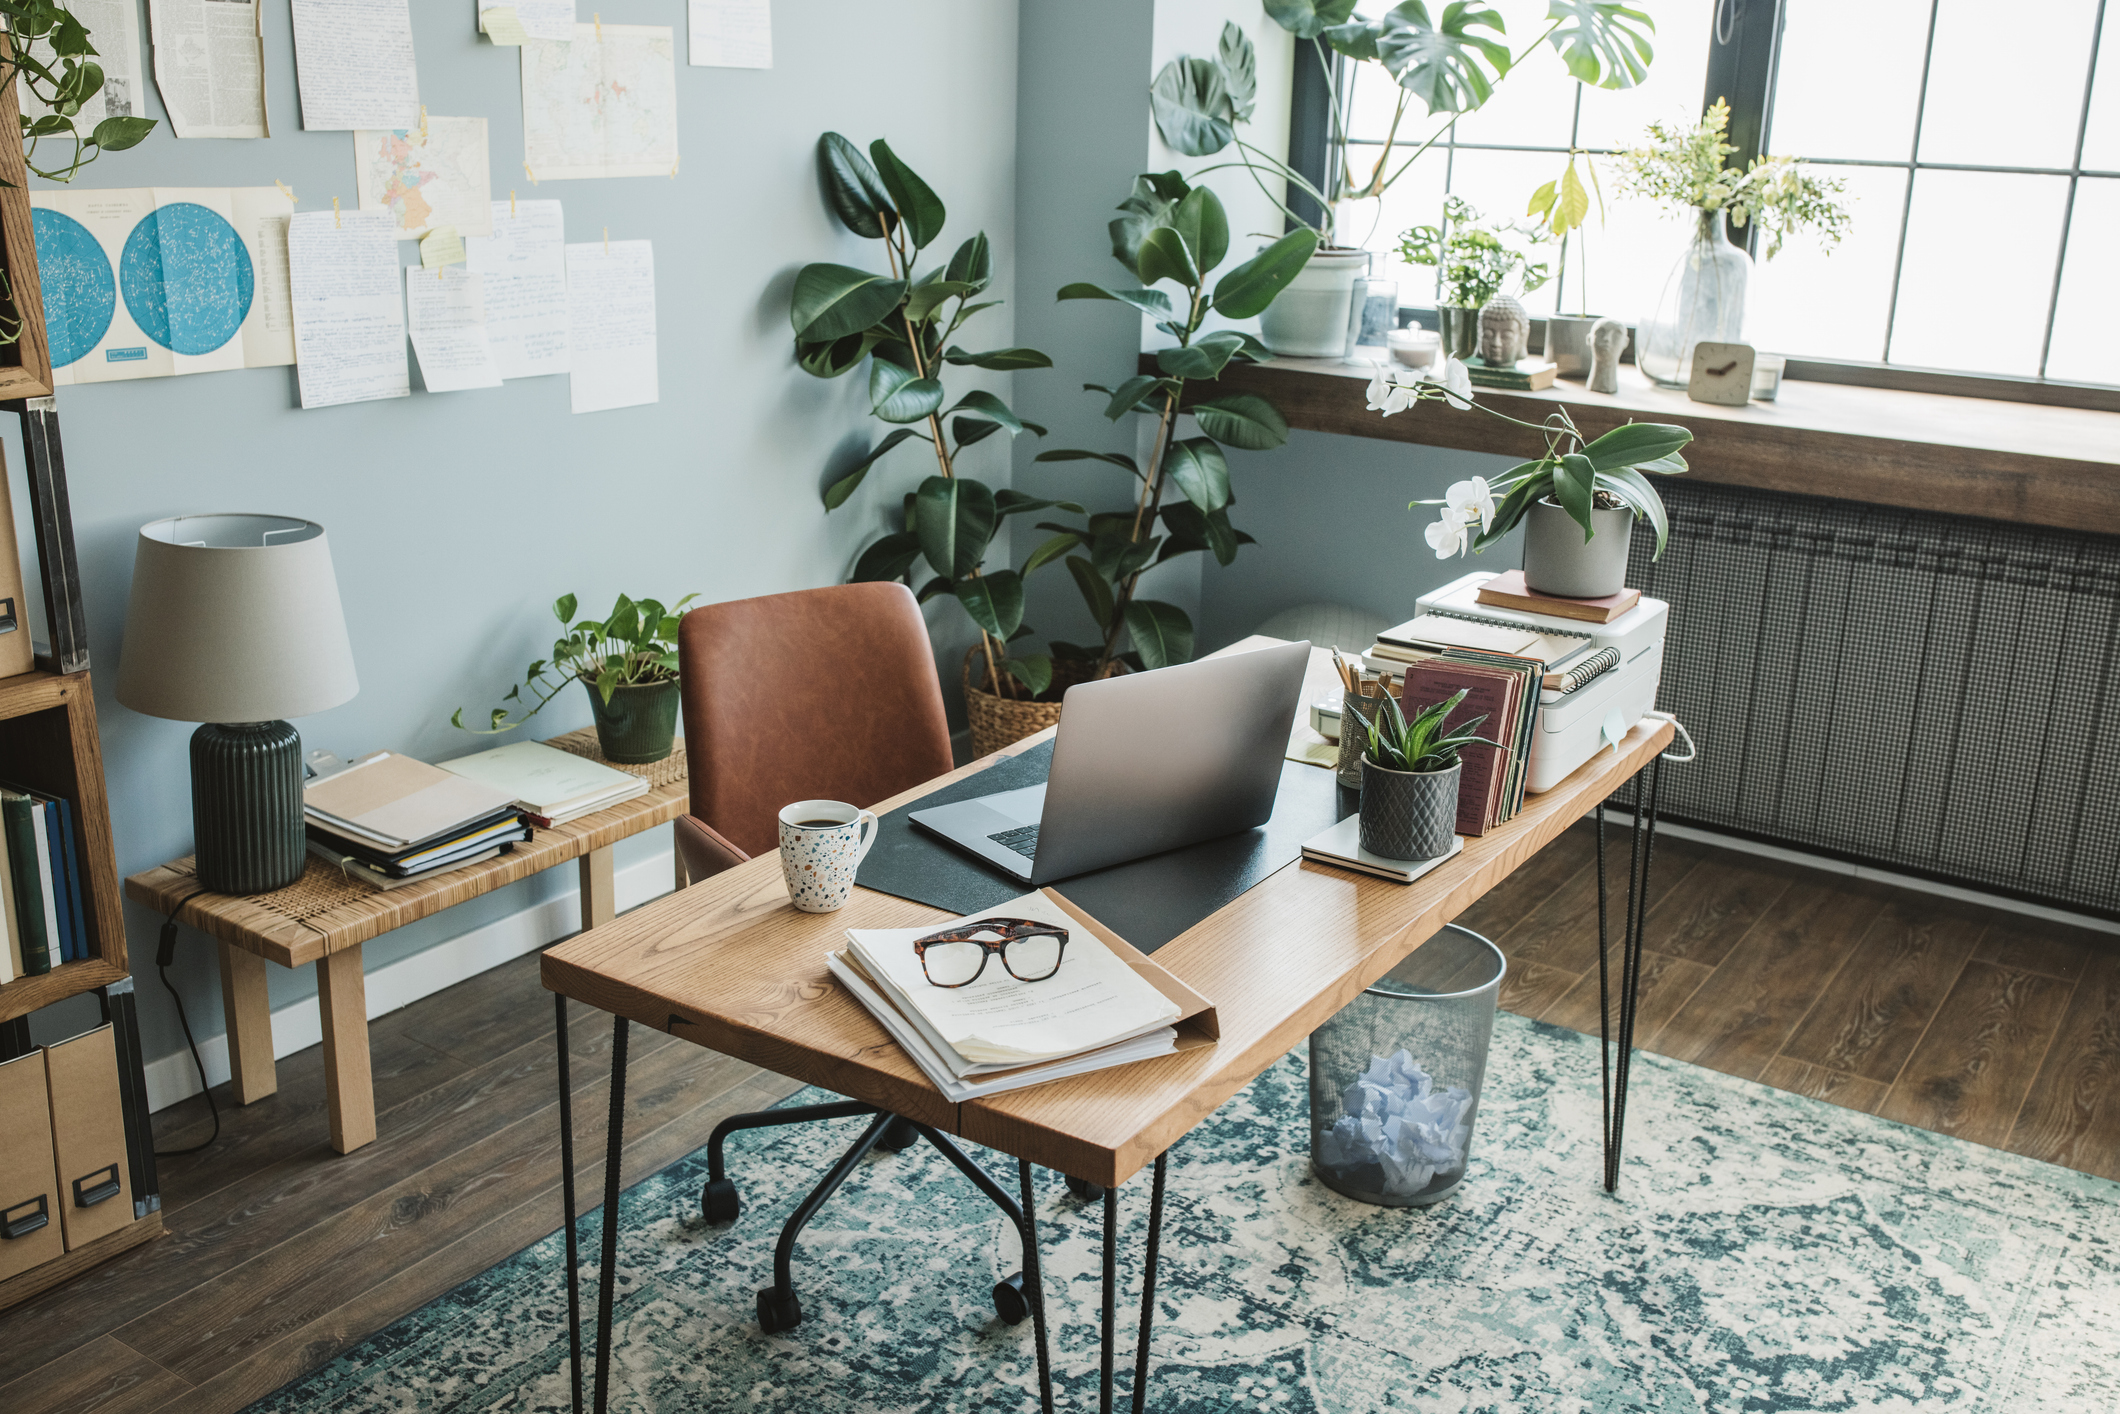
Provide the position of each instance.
(704, 852)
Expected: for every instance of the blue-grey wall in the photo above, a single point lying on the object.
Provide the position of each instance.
(456, 519)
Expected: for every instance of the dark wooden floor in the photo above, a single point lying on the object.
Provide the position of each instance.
(282, 1254)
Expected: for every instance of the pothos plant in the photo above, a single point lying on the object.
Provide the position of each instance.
(1475, 262)
(49, 53)
(1170, 233)
(633, 646)
(902, 323)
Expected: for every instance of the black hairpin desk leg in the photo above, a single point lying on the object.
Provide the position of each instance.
(1109, 1316)
(614, 1152)
(1613, 1087)
(566, 1166)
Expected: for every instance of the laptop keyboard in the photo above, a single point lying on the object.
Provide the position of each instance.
(1023, 840)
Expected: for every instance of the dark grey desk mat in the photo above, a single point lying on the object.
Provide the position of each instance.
(1147, 901)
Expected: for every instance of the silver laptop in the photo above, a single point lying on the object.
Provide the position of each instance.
(1141, 764)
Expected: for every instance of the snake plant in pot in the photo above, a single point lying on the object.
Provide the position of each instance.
(1410, 777)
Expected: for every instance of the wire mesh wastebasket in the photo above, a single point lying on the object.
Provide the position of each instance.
(1395, 1076)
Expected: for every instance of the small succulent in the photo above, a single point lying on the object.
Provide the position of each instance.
(1421, 744)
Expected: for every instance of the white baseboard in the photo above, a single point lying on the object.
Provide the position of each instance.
(297, 1027)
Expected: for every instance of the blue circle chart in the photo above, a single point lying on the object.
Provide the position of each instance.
(79, 294)
(187, 278)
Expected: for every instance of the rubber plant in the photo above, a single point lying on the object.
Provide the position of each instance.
(1170, 233)
(902, 323)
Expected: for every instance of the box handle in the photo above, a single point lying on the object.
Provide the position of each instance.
(28, 1222)
(97, 1187)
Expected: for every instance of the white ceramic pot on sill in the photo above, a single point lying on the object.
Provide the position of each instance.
(1310, 318)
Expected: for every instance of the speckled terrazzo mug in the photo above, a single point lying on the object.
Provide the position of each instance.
(821, 845)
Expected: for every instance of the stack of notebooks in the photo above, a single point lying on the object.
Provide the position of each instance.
(548, 785)
(388, 820)
(1107, 1005)
(40, 885)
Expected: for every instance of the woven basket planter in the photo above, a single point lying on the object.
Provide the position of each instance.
(997, 721)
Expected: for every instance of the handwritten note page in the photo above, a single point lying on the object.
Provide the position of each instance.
(533, 19)
(447, 318)
(611, 325)
(209, 66)
(524, 270)
(354, 65)
(731, 34)
(349, 310)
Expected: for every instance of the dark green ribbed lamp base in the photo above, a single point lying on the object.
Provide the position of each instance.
(246, 806)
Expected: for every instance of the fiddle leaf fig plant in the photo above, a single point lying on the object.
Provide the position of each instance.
(634, 645)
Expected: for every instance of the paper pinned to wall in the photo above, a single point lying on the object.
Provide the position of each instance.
(115, 24)
(527, 19)
(446, 314)
(431, 174)
(602, 105)
(354, 64)
(209, 66)
(731, 34)
(349, 312)
(611, 325)
(441, 246)
(146, 282)
(523, 266)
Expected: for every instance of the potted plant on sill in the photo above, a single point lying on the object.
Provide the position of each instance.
(1451, 63)
(1476, 266)
(627, 661)
(1562, 206)
(1410, 777)
(1598, 487)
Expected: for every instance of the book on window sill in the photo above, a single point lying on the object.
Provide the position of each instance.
(1526, 375)
(1509, 591)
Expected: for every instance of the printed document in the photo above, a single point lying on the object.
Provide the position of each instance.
(524, 265)
(115, 26)
(349, 309)
(353, 64)
(536, 19)
(448, 323)
(209, 65)
(601, 107)
(434, 173)
(732, 34)
(611, 324)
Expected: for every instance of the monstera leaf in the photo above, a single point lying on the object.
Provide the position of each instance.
(1191, 103)
(1601, 43)
(1440, 63)
(1307, 19)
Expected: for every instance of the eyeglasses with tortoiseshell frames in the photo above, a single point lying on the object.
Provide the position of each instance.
(955, 957)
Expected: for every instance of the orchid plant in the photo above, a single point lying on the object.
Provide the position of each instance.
(1579, 474)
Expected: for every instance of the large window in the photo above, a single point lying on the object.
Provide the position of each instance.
(1982, 163)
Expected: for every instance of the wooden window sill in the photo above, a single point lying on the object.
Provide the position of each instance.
(1968, 456)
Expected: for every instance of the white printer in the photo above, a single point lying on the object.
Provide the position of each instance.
(1605, 693)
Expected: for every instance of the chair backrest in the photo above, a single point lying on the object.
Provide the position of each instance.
(820, 694)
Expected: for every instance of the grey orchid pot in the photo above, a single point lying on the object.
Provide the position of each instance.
(1557, 560)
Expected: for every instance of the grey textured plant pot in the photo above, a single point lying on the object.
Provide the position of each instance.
(1557, 560)
(1568, 343)
(1460, 329)
(1408, 815)
(639, 724)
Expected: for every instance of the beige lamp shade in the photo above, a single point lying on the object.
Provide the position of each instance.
(234, 618)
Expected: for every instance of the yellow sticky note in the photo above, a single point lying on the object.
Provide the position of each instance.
(502, 26)
(441, 246)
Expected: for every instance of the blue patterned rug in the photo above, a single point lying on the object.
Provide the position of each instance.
(1769, 1252)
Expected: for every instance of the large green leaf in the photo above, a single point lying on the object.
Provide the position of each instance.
(1096, 593)
(955, 519)
(1051, 550)
(888, 558)
(833, 301)
(1634, 443)
(1240, 71)
(1000, 360)
(1248, 289)
(1440, 63)
(1307, 19)
(1162, 633)
(836, 494)
(995, 601)
(1357, 39)
(1011, 502)
(917, 203)
(1574, 485)
(985, 406)
(1190, 101)
(829, 358)
(116, 133)
(896, 395)
(970, 430)
(1197, 467)
(1242, 420)
(1204, 226)
(1536, 480)
(1076, 454)
(1153, 302)
(1034, 672)
(1164, 257)
(1130, 395)
(1191, 529)
(1634, 488)
(853, 188)
(1204, 357)
(929, 295)
(973, 264)
(1146, 207)
(1602, 43)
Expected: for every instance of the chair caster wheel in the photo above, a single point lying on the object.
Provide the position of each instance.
(1085, 1190)
(898, 1136)
(778, 1310)
(718, 1201)
(1010, 1303)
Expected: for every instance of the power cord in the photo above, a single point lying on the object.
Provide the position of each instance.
(165, 954)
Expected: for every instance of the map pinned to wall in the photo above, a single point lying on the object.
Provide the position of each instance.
(601, 105)
(436, 176)
(147, 282)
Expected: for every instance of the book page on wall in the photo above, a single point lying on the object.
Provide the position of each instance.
(524, 267)
(209, 66)
(447, 318)
(611, 325)
(115, 24)
(354, 64)
(731, 34)
(601, 105)
(349, 311)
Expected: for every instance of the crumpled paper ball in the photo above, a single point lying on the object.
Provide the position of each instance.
(1397, 1120)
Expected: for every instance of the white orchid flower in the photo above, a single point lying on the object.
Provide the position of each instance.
(1471, 501)
(1387, 395)
(1456, 382)
(1446, 536)
(1380, 388)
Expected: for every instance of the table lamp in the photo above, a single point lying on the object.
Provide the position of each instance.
(235, 622)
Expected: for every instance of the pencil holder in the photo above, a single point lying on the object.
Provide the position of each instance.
(1354, 736)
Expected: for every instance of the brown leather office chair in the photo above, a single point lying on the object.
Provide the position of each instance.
(821, 694)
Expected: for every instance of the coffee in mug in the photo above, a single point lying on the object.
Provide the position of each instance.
(822, 843)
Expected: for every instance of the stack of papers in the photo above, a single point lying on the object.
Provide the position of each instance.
(549, 785)
(391, 820)
(1100, 1009)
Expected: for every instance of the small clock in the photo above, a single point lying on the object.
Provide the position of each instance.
(1722, 373)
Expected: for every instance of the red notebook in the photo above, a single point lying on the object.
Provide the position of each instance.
(1489, 692)
(1508, 591)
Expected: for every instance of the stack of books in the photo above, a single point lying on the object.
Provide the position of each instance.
(548, 785)
(1107, 1005)
(1504, 689)
(1420, 639)
(40, 885)
(388, 820)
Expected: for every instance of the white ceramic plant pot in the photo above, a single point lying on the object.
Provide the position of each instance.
(1557, 560)
(1310, 318)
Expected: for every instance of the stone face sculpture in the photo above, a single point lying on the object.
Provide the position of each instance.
(1607, 338)
(1505, 332)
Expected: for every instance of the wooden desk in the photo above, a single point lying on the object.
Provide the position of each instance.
(730, 964)
(324, 918)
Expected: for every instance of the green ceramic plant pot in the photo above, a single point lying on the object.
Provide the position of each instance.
(639, 724)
